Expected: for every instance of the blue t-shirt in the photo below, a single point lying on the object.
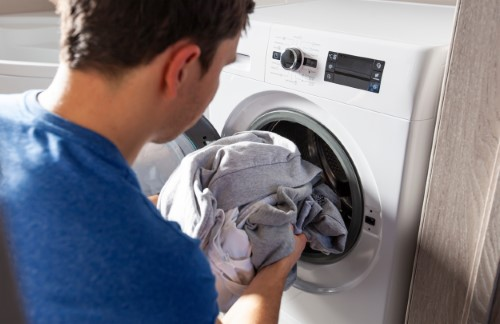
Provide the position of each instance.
(86, 244)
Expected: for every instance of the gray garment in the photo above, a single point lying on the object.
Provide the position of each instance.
(231, 172)
(264, 175)
(311, 210)
(320, 220)
(267, 223)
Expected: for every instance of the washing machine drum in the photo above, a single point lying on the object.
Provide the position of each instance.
(156, 162)
(320, 147)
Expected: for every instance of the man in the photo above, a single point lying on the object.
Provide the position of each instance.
(86, 245)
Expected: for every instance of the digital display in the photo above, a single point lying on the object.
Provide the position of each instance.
(356, 65)
(354, 71)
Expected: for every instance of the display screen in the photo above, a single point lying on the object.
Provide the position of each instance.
(354, 71)
(358, 66)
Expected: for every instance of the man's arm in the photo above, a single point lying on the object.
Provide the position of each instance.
(261, 301)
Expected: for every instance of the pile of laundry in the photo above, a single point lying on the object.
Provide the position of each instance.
(240, 195)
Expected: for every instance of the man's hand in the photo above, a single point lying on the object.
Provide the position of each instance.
(291, 260)
(262, 299)
(154, 199)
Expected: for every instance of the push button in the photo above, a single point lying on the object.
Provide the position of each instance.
(376, 76)
(330, 66)
(378, 65)
(332, 56)
(329, 76)
(374, 87)
(276, 55)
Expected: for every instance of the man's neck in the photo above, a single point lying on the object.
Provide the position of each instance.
(91, 101)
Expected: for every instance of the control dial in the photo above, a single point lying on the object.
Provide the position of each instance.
(291, 59)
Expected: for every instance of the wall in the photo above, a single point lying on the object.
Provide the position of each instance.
(15, 6)
(458, 251)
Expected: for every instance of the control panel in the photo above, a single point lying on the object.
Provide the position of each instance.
(354, 71)
(344, 69)
(351, 69)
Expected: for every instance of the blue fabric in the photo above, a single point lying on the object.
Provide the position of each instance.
(87, 246)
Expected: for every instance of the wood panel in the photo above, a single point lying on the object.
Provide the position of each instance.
(486, 280)
(494, 317)
(463, 177)
(15, 6)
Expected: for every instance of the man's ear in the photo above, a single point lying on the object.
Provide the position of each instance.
(182, 63)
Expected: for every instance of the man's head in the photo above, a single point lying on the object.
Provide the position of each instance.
(111, 37)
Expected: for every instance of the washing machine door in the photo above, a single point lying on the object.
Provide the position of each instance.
(323, 140)
(320, 147)
(156, 162)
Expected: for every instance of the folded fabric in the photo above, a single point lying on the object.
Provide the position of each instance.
(255, 183)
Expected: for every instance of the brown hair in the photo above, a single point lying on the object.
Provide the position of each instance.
(111, 36)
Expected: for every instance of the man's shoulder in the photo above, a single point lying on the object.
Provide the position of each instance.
(10, 106)
(11, 98)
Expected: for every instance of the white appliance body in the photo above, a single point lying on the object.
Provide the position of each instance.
(386, 135)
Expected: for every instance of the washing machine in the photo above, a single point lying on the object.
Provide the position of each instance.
(356, 85)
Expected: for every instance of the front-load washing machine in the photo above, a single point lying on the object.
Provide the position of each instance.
(355, 84)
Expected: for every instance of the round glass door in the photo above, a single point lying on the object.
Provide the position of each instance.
(320, 147)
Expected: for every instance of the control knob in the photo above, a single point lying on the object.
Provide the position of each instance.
(291, 59)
